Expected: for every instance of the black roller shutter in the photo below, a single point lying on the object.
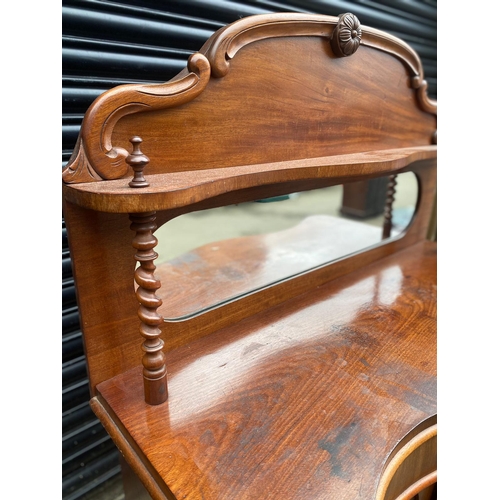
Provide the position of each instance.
(107, 43)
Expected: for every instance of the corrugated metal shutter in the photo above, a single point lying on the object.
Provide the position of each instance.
(107, 43)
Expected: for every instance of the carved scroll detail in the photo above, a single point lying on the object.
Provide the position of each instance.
(79, 166)
(154, 368)
(401, 50)
(224, 45)
(97, 158)
(389, 201)
(346, 36)
(420, 85)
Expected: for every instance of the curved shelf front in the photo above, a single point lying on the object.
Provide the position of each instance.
(176, 190)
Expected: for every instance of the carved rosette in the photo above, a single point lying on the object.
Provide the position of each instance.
(154, 367)
(346, 36)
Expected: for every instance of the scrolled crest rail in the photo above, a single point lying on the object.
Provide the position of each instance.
(96, 158)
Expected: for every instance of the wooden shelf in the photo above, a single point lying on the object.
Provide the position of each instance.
(321, 383)
(178, 189)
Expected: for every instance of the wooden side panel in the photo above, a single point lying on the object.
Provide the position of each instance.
(103, 267)
(285, 99)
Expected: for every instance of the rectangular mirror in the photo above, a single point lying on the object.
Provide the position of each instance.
(214, 256)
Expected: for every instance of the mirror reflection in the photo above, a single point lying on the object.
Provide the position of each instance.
(213, 256)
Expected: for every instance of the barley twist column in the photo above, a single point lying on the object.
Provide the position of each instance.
(389, 200)
(155, 370)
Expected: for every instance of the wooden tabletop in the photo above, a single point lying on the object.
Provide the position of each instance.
(303, 400)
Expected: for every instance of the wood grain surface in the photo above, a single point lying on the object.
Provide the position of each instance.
(304, 400)
(172, 191)
(305, 389)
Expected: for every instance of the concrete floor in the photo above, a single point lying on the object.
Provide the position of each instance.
(110, 490)
(193, 230)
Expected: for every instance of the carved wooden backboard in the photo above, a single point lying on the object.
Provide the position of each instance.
(269, 103)
(273, 88)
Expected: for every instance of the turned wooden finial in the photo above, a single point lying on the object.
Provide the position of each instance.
(137, 160)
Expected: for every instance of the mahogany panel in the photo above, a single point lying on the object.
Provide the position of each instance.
(296, 110)
(303, 400)
(103, 263)
(265, 89)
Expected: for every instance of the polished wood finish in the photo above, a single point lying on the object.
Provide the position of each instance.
(153, 361)
(295, 402)
(304, 388)
(412, 470)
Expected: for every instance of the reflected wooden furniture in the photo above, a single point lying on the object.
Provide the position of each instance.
(306, 387)
(364, 199)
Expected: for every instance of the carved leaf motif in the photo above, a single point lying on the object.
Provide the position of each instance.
(79, 168)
